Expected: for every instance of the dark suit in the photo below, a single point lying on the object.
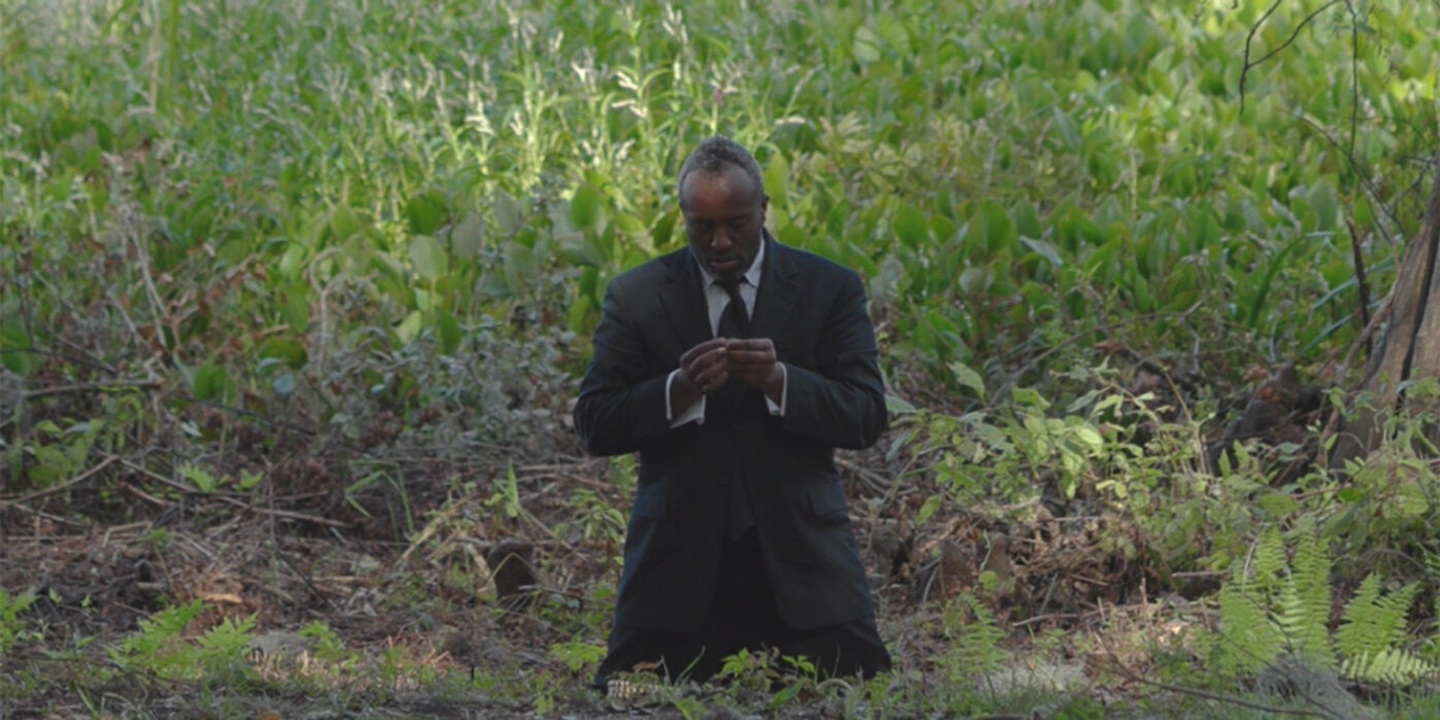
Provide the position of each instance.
(814, 311)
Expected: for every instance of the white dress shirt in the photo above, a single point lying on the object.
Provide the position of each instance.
(716, 298)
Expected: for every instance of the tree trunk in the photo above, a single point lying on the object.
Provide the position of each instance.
(1409, 349)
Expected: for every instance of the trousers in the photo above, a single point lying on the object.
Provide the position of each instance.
(744, 616)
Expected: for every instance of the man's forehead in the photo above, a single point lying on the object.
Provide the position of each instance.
(728, 180)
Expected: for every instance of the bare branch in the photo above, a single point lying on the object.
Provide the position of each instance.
(1255, 29)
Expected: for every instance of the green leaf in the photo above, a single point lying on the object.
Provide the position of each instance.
(14, 342)
(910, 226)
(509, 216)
(410, 327)
(967, 377)
(1029, 398)
(1044, 249)
(975, 281)
(928, 509)
(210, 382)
(286, 350)
(998, 229)
(448, 331)
(426, 212)
(865, 45)
(777, 179)
(468, 238)
(297, 307)
(343, 223)
(585, 210)
(1027, 222)
(428, 257)
(521, 267)
(1278, 504)
(1324, 205)
(897, 405)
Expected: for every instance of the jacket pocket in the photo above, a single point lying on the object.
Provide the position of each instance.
(828, 500)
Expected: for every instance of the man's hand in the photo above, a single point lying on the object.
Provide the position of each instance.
(753, 361)
(706, 367)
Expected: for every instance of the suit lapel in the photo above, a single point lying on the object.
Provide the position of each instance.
(779, 286)
(683, 299)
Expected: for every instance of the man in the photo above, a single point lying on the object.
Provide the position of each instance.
(735, 367)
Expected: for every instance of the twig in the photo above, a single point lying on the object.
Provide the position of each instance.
(235, 502)
(1365, 184)
(248, 413)
(1205, 694)
(147, 497)
(157, 305)
(82, 477)
(288, 514)
(157, 477)
(1255, 29)
(1362, 284)
(91, 387)
(1051, 616)
(47, 516)
(63, 356)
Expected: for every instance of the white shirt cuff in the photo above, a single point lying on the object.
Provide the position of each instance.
(779, 408)
(695, 413)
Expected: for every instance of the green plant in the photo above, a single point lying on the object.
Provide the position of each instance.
(975, 637)
(1276, 609)
(160, 647)
(578, 655)
(12, 626)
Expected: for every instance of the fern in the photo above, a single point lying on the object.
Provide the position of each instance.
(1268, 612)
(1393, 666)
(1305, 605)
(1248, 640)
(1267, 562)
(1373, 629)
(12, 626)
(976, 638)
(158, 637)
(224, 646)
(159, 645)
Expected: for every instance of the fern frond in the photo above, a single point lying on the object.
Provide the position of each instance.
(1305, 605)
(1373, 623)
(976, 648)
(1394, 666)
(1248, 640)
(1267, 563)
(1306, 635)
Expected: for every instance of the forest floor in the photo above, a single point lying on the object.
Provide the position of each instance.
(481, 587)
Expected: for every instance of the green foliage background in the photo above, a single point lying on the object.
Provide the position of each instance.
(1008, 177)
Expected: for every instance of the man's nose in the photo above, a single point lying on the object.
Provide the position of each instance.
(721, 239)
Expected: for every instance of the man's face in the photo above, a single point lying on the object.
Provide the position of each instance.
(724, 219)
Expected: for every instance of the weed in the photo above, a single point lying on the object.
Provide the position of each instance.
(12, 625)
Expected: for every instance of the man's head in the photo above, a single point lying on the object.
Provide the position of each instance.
(722, 196)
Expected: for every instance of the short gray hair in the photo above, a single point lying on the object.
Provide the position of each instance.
(714, 155)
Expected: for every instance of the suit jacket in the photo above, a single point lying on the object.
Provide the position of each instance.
(814, 311)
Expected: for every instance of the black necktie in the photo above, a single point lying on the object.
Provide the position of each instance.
(734, 320)
(735, 323)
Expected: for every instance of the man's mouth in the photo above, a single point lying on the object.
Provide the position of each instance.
(724, 265)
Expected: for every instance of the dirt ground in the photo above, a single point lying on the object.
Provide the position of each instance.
(467, 559)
